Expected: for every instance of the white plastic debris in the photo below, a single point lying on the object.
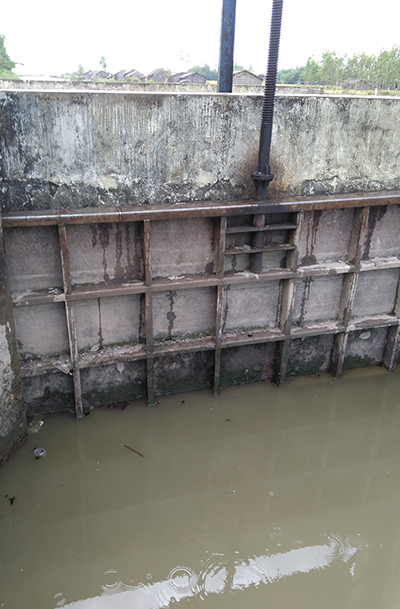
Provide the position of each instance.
(39, 452)
(35, 426)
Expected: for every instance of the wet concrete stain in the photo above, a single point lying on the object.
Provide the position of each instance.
(171, 315)
(119, 270)
(209, 270)
(130, 272)
(226, 309)
(279, 304)
(312, 230)
(125, 238)
(305, 298)
(104, 238)
(94, 235)
(375, 214)
(100, 333)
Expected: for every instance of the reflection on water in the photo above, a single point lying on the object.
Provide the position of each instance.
(263, 496)
(183, 583)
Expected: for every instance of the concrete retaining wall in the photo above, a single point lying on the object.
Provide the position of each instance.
(12, 407)
(123, 286)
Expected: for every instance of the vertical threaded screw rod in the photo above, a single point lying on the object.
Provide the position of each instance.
(262, 174)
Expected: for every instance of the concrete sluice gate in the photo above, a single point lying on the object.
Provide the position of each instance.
(127, 238)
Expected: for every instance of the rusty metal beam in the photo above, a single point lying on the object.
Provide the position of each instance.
(138, 352)
(392, 347)
(218, 332)
(193, 282)
(349, 286)
(138, 213)
(219, 302)
(148, 313)
(288, 291)
(70, 317)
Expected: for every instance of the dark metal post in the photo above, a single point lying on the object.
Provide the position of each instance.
(262, 174)
(225, 69)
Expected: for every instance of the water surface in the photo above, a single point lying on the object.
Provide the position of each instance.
(263, 496)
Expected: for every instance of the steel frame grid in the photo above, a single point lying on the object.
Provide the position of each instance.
(288, 276)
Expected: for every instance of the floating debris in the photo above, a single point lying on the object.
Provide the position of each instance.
(10, 499)
(35, 425)
(133, 450)
(39, 452)
(365, 335)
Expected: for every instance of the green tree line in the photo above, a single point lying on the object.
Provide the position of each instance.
(6, 64)
(212, 74)
(381, 71)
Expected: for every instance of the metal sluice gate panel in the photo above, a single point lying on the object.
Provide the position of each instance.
(119, 304)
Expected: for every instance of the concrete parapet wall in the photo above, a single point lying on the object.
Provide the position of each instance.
(81, 149)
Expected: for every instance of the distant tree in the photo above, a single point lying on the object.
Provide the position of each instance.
(387, 69)
(103, 63)
(6, 64)
(360, 67)
(381, 71)
(332, 69)
(290, 76)
(312, 72)
(78, 73)
(205, 71)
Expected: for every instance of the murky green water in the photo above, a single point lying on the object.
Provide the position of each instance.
(261, 497)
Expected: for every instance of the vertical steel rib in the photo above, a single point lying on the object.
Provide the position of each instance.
(220, 303)
(148, 313)
(70, 317)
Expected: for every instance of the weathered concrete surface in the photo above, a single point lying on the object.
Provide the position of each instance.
(310, 355)
(105, 253)
(41, 330)
(247, 364)
(365, 348)
(12, 409)
(32, 258)
(189, 371)
(48, 393)
(102, 322)
(244, 313)
(317, 299)
(184, 314)
(90, 149)
(325, 241)
(112, 384)
(376, 293)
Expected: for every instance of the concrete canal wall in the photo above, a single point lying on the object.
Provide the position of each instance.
(128, 237)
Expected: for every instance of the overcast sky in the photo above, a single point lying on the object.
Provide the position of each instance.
(51, 38)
